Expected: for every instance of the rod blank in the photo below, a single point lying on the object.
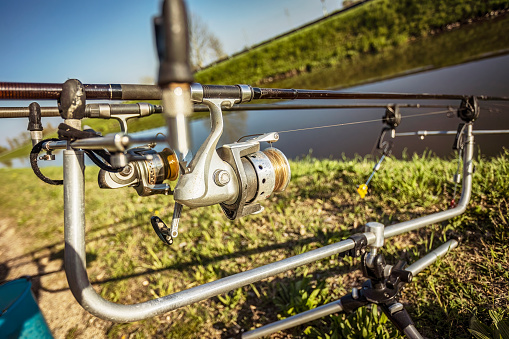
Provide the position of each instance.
(47, 91)
(23, 112)
(42, 91)
(104, 111)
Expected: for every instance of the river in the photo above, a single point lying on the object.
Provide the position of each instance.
(487, 76)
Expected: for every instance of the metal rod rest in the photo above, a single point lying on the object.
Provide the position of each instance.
(418, 266)
(298, 319)
(468, 168)
(77, 277)
(75, 246)
(335, 306)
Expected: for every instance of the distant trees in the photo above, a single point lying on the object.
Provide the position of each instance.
(18, 141)
(348, 3)
(205, 46)
(24, 138)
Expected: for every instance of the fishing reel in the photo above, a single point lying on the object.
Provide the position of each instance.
(146, 171)
(236, 176)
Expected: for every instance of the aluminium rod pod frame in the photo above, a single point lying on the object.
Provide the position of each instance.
(75, 258)
(341, 305)
(394, 310)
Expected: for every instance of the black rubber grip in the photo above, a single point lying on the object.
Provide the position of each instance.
(125, 109)
(222, 92)
(141, 92)
(34, 119)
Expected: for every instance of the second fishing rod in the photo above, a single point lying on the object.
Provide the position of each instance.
(242, 93)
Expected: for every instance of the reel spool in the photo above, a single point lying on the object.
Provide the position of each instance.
(146, 172)
(267, 172)
(258, 175)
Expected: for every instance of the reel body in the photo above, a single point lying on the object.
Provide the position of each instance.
(236, 175)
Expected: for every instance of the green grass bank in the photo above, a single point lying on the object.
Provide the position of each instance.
(371, 28)
(127, 263)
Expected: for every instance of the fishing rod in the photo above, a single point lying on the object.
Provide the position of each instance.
(242, 93)
(111, 110)
(103, 111)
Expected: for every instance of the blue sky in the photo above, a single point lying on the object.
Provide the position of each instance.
(112, 41)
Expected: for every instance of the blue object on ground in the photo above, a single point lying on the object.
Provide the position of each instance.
(20, 316)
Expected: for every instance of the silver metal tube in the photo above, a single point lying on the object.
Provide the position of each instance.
(335, 306)
(54, 145)
(298, 319)
(431, 133)
(36, 137)
(468, 168)
(177, 109)
(75, 260)
(111, 142)
(114, 142)
(418, 266)
(412, 333)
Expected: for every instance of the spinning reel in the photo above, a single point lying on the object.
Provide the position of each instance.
(237, 176)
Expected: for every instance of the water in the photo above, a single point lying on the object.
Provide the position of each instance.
(487, 77)
(471, 60)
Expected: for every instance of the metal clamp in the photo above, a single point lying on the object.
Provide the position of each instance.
(469, 109)
(361, 242)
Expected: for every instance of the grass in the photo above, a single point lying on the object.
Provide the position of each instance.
(128, 263)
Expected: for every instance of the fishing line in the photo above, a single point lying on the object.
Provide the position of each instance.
(327, 126)
(491, 110)
(498, 104)
(359, 122)
(424, 114)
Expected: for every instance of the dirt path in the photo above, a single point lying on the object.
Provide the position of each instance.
(65, 317)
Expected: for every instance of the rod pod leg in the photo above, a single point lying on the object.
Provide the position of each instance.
(399, 316)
